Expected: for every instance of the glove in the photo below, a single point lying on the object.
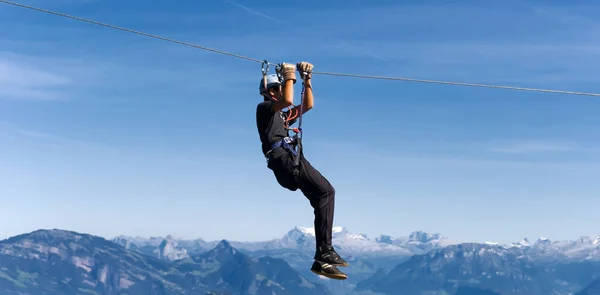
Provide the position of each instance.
(304, 67)
(287, 72)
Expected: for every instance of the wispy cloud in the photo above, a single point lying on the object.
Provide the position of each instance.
(49, 76)
(319, 39)
(255, 12)
(72, 73)
(22, 80)
(528, 147)
(15, 134)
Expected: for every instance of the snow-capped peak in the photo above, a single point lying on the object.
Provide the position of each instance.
(297, 237)
(542, 241)
(339, 230)
(306, 230)
(521, 244)
(169, 249)
(423, 237)
(336, 230)
(386, 239)
(303, 237)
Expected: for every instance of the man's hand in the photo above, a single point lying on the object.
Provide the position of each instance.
(304, 67)
(287, 71)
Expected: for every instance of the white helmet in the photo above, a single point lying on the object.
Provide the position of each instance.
(272, 80)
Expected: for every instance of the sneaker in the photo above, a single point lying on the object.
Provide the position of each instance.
(329, 256)
(327, 270)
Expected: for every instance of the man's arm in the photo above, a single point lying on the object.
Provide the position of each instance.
(307, 103)
(289, 79)
(288, 96)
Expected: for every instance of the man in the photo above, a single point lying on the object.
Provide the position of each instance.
(273, 128)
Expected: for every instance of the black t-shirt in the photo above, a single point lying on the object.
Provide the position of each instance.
(270, 124)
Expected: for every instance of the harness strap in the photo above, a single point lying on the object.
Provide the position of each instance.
(299, 132)
(286, 143)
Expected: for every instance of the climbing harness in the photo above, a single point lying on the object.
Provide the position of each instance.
(287, 143)
(292, 144)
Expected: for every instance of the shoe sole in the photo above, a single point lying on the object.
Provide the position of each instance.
(345, 264)
(331, 276)
(336, 264)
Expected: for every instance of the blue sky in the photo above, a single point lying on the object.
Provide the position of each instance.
(110, 133)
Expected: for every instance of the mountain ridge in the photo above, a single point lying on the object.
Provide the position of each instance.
(302, 238)
(68, 262)
(340, 231)
(88, 263)
(572, 263)
(351, 244)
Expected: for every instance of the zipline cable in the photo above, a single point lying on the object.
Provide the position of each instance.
(314, 72)
(456, 83)
(131, 31)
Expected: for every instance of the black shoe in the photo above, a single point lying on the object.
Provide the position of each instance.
(329, 256)
(327, 270)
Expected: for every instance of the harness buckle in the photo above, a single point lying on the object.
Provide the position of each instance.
(289, 140)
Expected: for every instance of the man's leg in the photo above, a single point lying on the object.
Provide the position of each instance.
(321, 194)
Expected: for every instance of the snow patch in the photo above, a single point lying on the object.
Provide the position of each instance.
(521, 244)
(85, 263)
(90, 283)
(103, 274)
(125, 283)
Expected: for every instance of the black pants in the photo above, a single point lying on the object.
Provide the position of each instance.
(313, 185)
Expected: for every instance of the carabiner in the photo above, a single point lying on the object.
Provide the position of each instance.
(278, 72)
(265, 67)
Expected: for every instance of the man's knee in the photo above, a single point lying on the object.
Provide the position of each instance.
(321, 196)
(330, 190)
(328, 197)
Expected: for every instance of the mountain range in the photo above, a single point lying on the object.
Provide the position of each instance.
(66, 262)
